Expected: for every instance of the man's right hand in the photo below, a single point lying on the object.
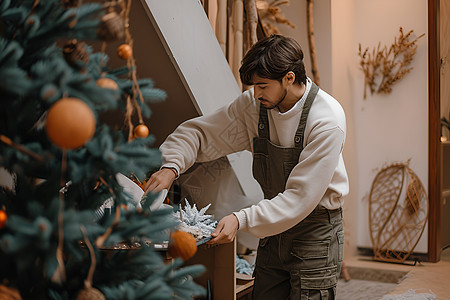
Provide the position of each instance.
(160, 180)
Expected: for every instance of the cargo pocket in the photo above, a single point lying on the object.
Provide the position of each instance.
(318, 279)
(340, 237)
(311, 254)
(312, 284)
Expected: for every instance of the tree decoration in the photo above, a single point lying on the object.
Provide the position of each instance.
(107, 83)
(89, 292)
(132, 104)
(182, 244)
(383, 67)
(141, 131)
(3, 218)
(56, 191)
(124, 51)
(75, 53)
(9, 293)
(70, 123)
(195, 222)
(111, 27)
(398, 212)
(70, 3)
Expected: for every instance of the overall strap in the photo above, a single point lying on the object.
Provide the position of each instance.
(263, 123)
(300, 134)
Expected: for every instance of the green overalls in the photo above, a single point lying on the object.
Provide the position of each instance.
(304, 261)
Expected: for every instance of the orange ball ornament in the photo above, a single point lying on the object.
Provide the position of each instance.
(141, 131)
(3, 218)
(124, 51)
(182, 245)
(107, 83)
(70, 123)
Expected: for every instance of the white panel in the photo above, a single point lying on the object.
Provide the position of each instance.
(189, 40)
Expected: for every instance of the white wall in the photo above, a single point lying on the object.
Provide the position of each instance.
(381, 129)
(343, 70)
(390, 128)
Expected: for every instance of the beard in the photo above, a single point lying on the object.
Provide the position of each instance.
(279, 101)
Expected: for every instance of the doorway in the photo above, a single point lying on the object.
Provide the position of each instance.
(439, 97)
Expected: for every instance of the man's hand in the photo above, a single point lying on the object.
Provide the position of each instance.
(159, 181)
(225, 231)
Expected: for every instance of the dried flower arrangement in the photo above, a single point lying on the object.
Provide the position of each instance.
(383, 67)
(270, 14)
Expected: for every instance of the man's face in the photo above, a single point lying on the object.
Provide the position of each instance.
(268, 91)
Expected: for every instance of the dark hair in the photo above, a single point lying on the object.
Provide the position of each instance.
(272, 58)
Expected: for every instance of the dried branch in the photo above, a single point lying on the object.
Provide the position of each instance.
(271, 14)
(383, 67)
(252, 22)
(311, 40)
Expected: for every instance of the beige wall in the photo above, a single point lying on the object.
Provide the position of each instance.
(381, 129)
(342, 67)
(390, 128)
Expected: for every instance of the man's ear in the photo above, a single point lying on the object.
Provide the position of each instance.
(290, 77)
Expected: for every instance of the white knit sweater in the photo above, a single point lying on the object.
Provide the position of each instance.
(318, 178)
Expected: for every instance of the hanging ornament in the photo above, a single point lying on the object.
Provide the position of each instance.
(90, 294)
(9, 293)
(182, 245)
(107, 83)
(141, 131)
(69, 3)
(111, 27)
(70, 123)
(75, 52)
(125, 51)
(3, 218)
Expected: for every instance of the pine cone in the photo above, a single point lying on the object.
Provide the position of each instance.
(90, 294)
(111, 27)
(69, 3)
(75, 52)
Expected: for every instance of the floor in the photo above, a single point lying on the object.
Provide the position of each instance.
(371, 280)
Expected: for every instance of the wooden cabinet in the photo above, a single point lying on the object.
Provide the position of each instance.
(220, 275)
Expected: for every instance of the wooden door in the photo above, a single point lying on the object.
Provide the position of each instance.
(444, 49)
(439, 94)
(434, 157)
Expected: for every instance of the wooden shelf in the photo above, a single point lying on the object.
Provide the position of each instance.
(220, 263)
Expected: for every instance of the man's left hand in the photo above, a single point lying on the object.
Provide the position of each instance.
(225, 231)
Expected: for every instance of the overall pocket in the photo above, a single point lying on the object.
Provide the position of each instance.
(261, 169)
(263, 253)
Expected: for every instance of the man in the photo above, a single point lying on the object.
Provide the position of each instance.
(296, 133)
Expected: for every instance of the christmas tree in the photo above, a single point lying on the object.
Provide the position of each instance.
(57, 239)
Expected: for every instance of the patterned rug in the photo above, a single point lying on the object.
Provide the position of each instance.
(357, 289)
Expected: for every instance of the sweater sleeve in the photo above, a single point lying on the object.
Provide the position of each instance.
(211, 136)
(305, 187)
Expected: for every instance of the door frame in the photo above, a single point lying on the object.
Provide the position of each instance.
(434, 133)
